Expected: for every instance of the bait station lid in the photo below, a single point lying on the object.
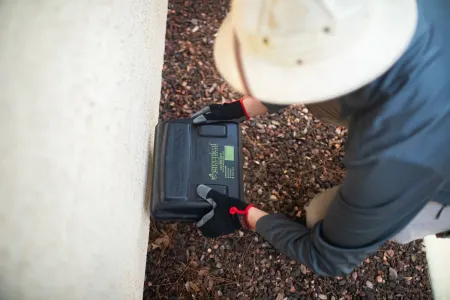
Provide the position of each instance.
(187, 155)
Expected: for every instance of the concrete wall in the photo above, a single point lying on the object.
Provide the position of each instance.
(79, 95)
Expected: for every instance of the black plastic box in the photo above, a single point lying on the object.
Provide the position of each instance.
(187, 155)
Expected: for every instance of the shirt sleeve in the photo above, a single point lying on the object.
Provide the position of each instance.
(376, 201)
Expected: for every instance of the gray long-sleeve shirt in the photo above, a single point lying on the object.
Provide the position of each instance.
(397, 156)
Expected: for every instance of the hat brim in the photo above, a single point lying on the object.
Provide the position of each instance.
(388, 35)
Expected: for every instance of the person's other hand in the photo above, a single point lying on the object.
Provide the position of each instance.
(226, 216)
(221, 112)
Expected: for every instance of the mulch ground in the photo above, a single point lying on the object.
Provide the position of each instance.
(289, 157)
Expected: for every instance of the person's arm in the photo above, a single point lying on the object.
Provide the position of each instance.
(254, 214)
(376, 200)
(254, 107)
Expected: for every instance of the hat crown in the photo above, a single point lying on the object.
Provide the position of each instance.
(293, 32)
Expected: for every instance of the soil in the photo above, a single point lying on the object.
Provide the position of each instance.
(289, 157)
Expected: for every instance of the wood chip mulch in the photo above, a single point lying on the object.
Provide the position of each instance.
(289, 157)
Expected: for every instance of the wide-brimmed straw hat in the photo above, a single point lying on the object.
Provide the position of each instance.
(304, 51)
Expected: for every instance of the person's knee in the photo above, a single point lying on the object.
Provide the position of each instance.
(328, 112)
(317, 208)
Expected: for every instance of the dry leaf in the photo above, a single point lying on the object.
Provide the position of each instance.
(390, 252)
(276, 123)
(163, 240)
(154, 246)
(203, 272)
(303, 269)
(194, 286)
(280, 296)
(193, 264)
(210, 284)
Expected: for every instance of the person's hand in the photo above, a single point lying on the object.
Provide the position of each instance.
(221, 112)
(226, 216)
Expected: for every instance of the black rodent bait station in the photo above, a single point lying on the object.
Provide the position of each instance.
(187, 155)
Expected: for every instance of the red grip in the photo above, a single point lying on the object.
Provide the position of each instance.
(243, 108)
